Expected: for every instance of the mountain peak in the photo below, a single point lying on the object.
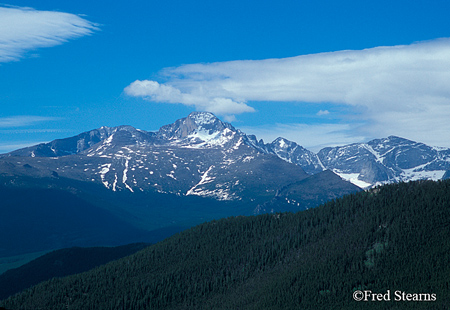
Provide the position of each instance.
(282, 142)
(203, 118)
(198, 129)
(392, 140)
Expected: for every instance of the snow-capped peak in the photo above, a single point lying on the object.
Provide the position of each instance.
(379, 161)
(203, 118)
(281, 143)
(198, 129)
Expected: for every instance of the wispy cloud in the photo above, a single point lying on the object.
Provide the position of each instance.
(23, 29)
(157, 92)
(323, 112)
(392, 89)
(34, 131)
(24, 120)
(20, 131)
(8, 147)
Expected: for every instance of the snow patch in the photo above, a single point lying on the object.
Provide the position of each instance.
(115, 182)
(125, 177)
(171, 175)
(238, 144)
(353, 178)
(108, 140)
(202, 118)
(203, 138)
(204, 179)
(128, 149)
(414, 175)
(219, 194)
(247, 159)
(103, 172)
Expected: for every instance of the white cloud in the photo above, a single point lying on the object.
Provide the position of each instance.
(23, 120)
(154, 91)
(24, 29)
(391, 89)
(323, 112)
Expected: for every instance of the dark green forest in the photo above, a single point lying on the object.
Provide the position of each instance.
(395, 237)
(61, 263)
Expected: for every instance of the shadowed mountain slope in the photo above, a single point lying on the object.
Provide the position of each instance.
(61, 263)
(389, 240)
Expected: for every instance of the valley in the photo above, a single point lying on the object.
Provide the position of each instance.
(390, 238)
(199, 184)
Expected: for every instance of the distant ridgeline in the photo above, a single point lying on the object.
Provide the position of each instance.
(118, 185)
(392, 241)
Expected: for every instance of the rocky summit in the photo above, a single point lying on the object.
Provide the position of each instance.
(198, 155)
(201, 155)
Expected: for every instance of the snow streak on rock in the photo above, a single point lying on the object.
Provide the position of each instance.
(204, 179)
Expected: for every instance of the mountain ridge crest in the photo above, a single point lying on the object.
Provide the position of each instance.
(379, 161)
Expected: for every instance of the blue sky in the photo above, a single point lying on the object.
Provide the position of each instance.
(316, 72)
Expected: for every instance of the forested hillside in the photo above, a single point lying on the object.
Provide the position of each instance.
(392, 238)
(61, 263)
